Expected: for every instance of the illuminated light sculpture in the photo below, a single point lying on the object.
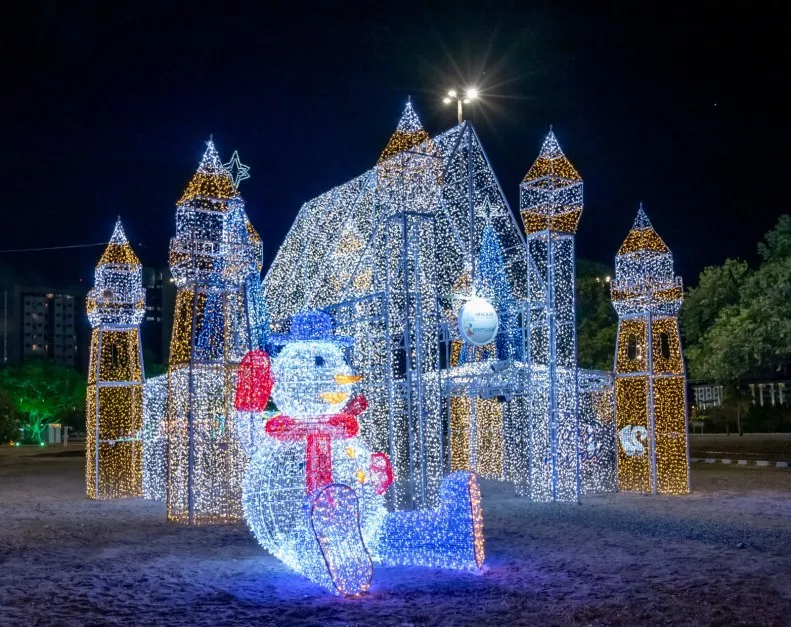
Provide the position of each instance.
(114, 401)
(450, 537)
(309, 446)
(314, 493)
(551, 205)
(382, 254)
(597, 445)
(394, 254)
(155, 438)
(215, 259)
(650, 379)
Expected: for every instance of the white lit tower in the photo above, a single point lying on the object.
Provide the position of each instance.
(215, 258)
(650, 379)
(114, 402)
(550, 205)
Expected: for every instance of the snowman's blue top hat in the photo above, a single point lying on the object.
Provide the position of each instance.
(311, 325)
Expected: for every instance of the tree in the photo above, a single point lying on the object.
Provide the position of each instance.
(151, 364)
(718, 287)
(43, 392)
(9, 418)
(737, 322)
(597, 323)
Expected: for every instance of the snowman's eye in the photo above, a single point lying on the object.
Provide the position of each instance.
(319, 360)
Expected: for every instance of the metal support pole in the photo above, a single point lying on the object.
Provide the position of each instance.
(96, 414)
(552, 366)
(470, 203)
(191, 408)
(651, 417)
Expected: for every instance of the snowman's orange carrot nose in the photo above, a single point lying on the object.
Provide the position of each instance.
(342, 379)
(334, 397)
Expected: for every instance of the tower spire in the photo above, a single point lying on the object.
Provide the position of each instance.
(650, 386)
(408, 134)
(211, 179)
(114, 410)
(642, 236)
(551, 161)
(118, 250)
(550, 173)
(641, 220)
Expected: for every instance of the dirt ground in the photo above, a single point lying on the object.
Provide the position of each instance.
(720, 556)
(768, 446)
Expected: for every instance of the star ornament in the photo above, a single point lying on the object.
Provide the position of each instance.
(239, 171)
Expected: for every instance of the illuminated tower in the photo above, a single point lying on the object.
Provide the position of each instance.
(650, 381)
(114, 403)
(215, 258)
(551, 203)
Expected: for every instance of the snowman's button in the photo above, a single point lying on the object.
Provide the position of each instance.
(351, 452)
(360, 476)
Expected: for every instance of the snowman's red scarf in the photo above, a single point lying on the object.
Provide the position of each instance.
(319, 432)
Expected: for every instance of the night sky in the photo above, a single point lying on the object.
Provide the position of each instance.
(107, 109)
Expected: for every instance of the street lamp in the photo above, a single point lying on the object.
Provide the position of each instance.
(470, 95)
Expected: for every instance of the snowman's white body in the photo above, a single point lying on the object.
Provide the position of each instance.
(307, 386)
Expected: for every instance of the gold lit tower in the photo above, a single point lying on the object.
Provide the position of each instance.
(650, 380)
(114, 404)
(215, 259)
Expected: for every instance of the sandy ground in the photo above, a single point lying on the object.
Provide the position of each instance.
(721, 556)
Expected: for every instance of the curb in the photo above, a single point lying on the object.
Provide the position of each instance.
(762, 463)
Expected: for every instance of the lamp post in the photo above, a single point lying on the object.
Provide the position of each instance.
(470, 95)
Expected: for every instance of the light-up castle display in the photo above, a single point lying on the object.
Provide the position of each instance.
(215, 259)
(370, 404)
(650, 382)
(395, 253)
(114, 402)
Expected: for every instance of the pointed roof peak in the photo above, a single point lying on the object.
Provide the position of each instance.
(551, 149)
(642, 237)
(641, 221)
(118, 250)
(409, 120)
(212, 178)
(551, 162)
(211, 162)
(118, 237)
(408, 134)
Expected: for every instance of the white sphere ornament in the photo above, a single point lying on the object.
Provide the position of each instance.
(478, 322)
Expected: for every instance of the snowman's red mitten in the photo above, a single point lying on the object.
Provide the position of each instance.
(254, 383)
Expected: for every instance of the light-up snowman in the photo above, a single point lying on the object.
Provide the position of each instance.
(313, 492)
(312, 444)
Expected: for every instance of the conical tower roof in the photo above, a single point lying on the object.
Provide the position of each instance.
(642, 237)
(211, 180)
(551, 162)
(408, 134)
(119, 250)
